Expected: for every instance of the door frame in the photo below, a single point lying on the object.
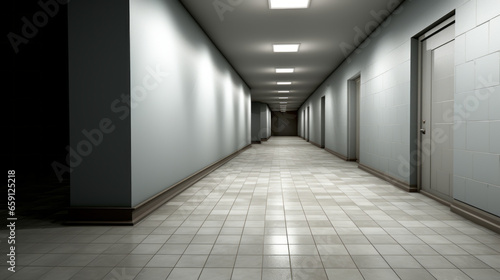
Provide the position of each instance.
(429, 32)
(323, 122)
(353, 118)
(308, 123)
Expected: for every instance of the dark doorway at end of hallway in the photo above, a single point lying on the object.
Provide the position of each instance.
(284, 124)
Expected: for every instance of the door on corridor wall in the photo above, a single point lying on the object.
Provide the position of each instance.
(323, 125)
(353, 103)
(437, 55)
(308, 124)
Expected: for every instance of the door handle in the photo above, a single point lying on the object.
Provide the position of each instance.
(423, 131)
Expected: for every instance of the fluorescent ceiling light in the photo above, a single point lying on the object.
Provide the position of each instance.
(283, 102)
(289, 4)
(283, 91)
(284, 83)
(286, 47)
(285, 70)
(283, 98)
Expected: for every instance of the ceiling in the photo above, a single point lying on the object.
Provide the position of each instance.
(245, 30)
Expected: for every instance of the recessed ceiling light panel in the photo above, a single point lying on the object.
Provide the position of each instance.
(283, 91)
(289, 4)
(286, 47)
(284, 83)
(283, 98)
(285, 70)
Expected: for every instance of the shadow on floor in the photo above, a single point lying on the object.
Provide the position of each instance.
(41, 203)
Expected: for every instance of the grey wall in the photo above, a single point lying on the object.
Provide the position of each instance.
(255, 122)
(99, 74)
(195, 114)
(146, 69)
(265, 121)
(384, 63)
(284, 124)
(261, 121)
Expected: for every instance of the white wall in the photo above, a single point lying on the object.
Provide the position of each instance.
(261, 121)
(195, 114)
(384, 63)
(477, 94)
(265, 121)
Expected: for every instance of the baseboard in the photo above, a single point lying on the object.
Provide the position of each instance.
(265, 139)
(132, 215)
(342, 157)
(476, 215)
(398, 183)
(316, 144)
(436, 198)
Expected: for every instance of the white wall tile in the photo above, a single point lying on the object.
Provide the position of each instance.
(459, 112)
(396, 133)
(465, 77)
(493, 203)
(495, 137)
(460, 50)
(394, 169)
(448, 111)
(403, 71)
(478, 136)
(477, 42)
(494, 103)
(488, 70)
(494, 34)
(460, 135)
(487, 9)
(476, 194)
(475, 107)
(463, 164)
(459, 188)
(402, 94)
(384, 164)
(487, 168)
(465, 17)
(377, 84)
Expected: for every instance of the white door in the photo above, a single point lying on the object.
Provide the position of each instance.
(436, 115)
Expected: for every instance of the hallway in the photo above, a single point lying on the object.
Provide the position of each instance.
(281, 210)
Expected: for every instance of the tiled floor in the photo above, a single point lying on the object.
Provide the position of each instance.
(281, 210)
